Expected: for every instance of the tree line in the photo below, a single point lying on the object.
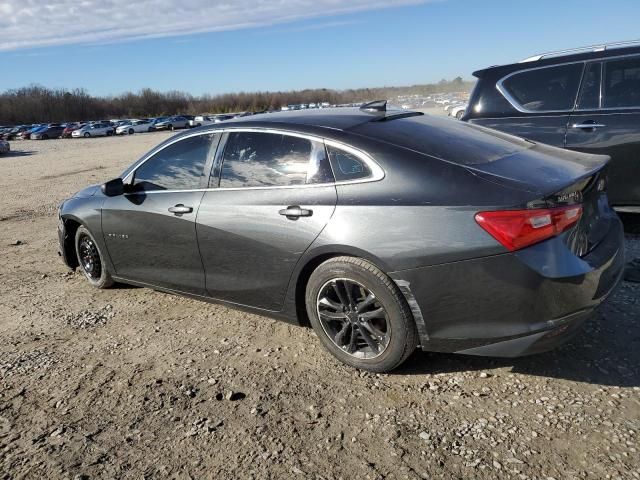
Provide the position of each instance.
(38, 104)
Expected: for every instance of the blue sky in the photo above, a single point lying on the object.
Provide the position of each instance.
(288, 44)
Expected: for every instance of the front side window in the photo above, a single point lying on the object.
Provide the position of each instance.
(346, 165)
(589, 97)
(622, 83)
(177, 167)
(545, 89)
(260, 159)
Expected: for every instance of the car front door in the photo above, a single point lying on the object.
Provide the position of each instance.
(275, 196)
(150, 230)
(607, 121)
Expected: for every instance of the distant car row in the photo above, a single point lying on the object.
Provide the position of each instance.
(101, 128)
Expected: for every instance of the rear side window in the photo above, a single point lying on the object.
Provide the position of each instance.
(260, 159)
(347, 166)
(589, 97)
(622, 83)
(176, 167)
(545, 89)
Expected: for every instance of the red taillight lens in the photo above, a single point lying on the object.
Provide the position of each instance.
(516, 229)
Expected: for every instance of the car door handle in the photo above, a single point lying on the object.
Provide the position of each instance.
(295, 212)
(588, 125)
(180, 209)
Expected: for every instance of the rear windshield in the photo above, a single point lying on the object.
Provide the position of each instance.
(451, 140)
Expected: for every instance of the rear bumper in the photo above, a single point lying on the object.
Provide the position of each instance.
(516, 303)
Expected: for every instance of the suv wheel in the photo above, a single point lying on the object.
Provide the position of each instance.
(90, 259)
(360, 315)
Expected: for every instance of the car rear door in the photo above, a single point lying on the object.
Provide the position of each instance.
(274, 195)
(541, 98)
(607, 121)
(150, 232)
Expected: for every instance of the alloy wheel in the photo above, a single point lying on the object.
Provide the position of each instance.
(89, 257)
(353, 318)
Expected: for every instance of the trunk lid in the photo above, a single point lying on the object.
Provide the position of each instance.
(557, 177)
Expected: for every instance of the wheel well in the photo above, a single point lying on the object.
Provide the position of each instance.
(70, 228)
(303, 279)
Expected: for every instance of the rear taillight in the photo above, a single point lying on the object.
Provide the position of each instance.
(516, 229)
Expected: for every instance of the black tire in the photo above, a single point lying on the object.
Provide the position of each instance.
(45, 137)
(109, 133)
(460, 114)
(87, 134)
(399, 323)
(150, 129)
(170, 127)
(131, 131)
(97, 273)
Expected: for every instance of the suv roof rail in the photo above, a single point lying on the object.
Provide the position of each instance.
(592, 48)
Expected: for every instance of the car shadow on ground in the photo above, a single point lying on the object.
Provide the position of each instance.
(17, 153)
(605, 352)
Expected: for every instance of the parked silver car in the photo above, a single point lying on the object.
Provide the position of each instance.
(172, 123)
(101, 129)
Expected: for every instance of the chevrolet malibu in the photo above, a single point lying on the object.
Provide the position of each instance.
(382, 230)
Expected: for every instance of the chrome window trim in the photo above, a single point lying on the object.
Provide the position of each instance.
(377, 173)
(514, 103)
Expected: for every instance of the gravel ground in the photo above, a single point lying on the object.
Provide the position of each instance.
(131, 383)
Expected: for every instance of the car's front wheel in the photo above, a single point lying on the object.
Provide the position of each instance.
(131, 131)
(360, 315)
(90, 259)
(87, 135)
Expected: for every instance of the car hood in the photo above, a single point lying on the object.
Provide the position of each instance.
(87, 192)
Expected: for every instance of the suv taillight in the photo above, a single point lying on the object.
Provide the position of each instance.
(516, 229)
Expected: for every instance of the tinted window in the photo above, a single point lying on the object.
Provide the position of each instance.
(590, 91)
(622, 83)
(347, 166)
(544, 89)
(176, 167)
(257, 159)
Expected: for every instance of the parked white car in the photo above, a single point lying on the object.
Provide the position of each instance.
(135, 126)
(200, 120)
(94, 130)
(4, 146)
(458, 111)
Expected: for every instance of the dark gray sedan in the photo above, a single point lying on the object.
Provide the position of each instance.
(383, 230)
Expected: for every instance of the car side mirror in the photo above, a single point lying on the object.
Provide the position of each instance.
(113, 188)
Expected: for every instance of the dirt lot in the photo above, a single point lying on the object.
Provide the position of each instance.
(130, 383)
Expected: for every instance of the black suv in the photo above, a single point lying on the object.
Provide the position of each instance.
(585, 99)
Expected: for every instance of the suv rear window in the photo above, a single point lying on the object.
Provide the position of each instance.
(545, 89)
(622, 83)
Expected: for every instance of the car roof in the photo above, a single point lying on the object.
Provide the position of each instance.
(555, 58)
(342, 118)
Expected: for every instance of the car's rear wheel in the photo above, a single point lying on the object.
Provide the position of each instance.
(360, 315)
(87, 134)
(90, 259)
